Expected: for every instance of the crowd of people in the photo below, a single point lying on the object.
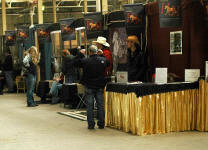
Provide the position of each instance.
(95, 70)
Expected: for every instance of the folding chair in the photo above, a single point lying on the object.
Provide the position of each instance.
(81, 95)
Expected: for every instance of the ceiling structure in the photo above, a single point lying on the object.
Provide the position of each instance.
(23, 6)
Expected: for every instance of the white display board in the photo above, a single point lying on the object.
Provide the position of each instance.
(206, 69)
(192, 75)
(122, 77)
(161, 75)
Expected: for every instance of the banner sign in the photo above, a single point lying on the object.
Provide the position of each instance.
(43, 32)
(170, 13)
(67, 30)
(10, 38)
(135, 18)
(94, 25)
(22, 33)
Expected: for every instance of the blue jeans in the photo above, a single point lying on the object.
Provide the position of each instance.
(31, 84)
(90, 96)
(56, 86)
(9, 80)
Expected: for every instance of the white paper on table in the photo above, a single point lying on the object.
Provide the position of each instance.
(192, 75)
(122, 77)
(206, 69)
(161, 75)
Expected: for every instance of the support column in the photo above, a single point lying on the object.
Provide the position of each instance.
(130, 1)
(98, 6)
(85, 6)
(105, 6)
(54, 11)
(3, 8)
(40, 12)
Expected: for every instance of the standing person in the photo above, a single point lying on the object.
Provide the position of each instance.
(136, 60)
(104, 46)
(68, 69)
(30, 61)
(8, 71)
(94, 81)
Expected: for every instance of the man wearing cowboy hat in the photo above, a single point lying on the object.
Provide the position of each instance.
(103, 47)
(136, 60)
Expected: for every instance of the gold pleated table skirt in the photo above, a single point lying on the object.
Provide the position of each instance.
(157, 113)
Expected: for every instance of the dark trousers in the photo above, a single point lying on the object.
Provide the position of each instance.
(90, 96)
(1, 85)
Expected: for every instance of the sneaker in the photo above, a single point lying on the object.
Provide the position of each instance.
(32, 105)
(101, 127)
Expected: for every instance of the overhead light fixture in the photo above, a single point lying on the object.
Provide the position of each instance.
(43, 8)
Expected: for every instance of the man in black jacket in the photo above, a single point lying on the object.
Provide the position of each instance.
(8, 71)
(94, 81)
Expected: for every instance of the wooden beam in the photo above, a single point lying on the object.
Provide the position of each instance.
(85, 6)
(105, 6)
(40, 12)
(98, 6)
(3, 6)
(54, 11)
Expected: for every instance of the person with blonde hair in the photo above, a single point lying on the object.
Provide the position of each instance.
(30, 61)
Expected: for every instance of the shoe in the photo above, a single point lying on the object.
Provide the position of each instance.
(32, 105)
(101, 127)
(91, 127)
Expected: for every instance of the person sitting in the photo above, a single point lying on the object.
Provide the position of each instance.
(102, 44)
(136, 60)
(56, 86)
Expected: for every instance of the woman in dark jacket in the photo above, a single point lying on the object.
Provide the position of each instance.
(136, 60)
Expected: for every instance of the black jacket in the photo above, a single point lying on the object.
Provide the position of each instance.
(67, 65)
(8, 63)
(93, 71)
(136, 65)
(32, 69)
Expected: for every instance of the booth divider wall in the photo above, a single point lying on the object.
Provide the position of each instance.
(194, 39)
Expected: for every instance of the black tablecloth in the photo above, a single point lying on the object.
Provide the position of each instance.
(150, 88)
(70, 95)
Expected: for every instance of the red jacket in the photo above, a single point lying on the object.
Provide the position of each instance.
(107, 53)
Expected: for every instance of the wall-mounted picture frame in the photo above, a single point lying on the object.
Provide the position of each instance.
(176, 43)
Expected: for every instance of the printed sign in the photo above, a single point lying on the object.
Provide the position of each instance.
(122, 77)
(43, 32)
(192, 75)
(93, 25)
(161, 75)
(176, 43)
(22, 33)
(67, 30)
(170, 13)
(10, 38)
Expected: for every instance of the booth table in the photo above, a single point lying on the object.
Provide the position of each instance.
(152, 108)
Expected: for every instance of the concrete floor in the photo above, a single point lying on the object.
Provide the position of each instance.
(41, 128)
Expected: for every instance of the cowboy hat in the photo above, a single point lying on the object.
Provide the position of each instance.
(134, 39)
(102, 40)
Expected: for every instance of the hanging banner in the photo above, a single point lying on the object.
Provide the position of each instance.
(67, 30)
(205, 6)
(43, 32)
(10, 38)
(170, 13)
(135, 18)
(116, 19)
(22, 33)
(93, 25)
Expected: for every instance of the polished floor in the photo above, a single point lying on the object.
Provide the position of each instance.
(41, 128)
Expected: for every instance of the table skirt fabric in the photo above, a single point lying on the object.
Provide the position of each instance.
(152, 114)
(202, 107)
